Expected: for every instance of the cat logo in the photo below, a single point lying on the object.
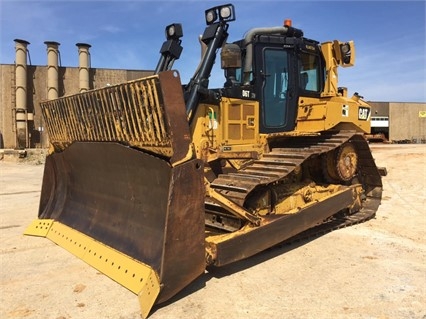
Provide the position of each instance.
(363, 113)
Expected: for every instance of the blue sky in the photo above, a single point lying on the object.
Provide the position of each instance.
(389, 35)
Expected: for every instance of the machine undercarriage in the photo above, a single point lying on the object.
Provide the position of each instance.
(296, 174)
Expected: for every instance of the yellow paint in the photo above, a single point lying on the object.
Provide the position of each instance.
(39, 227)
(136, 276)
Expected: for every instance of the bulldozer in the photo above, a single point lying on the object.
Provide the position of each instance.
(151, 181)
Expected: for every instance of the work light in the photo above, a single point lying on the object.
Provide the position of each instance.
(174, 31)
(346, 53)
(211, 16)
(221, 13)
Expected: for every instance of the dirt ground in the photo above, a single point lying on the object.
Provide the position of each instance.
(373, 270)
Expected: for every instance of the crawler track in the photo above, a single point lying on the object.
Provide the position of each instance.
(291, 153)
(339, 221)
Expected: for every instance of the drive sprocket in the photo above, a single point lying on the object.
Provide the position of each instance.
(341, 164)
(347, 162)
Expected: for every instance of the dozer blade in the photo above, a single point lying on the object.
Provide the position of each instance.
(139, 278)
(120, 190)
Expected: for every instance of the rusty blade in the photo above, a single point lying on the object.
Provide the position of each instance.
(133, 202)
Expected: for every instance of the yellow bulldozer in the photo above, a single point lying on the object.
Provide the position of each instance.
(151, 181)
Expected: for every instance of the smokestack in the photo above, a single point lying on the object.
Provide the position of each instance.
(84, 59)
(52, 69)
(21, 93)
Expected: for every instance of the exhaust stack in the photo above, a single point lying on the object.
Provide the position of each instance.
(84, 64)
(21, 93)
(52, 69)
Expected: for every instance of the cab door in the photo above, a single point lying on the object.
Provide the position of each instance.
(275, 83)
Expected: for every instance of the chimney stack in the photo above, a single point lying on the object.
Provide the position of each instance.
(84, 64)
(52, 69)
(21, 93)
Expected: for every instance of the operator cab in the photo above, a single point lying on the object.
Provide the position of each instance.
(279, 70)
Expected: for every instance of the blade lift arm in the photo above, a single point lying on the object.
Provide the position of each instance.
(171, 48)
(214, 36)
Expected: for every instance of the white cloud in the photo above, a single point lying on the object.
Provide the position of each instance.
(111, 29)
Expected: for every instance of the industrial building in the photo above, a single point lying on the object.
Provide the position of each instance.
(399, 122)
(24, 86)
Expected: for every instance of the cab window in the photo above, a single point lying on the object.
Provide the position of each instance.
(309, 73)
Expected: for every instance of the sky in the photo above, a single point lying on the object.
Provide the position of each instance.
(389, 36)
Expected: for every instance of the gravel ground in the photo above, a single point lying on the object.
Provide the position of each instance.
(373, 270)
